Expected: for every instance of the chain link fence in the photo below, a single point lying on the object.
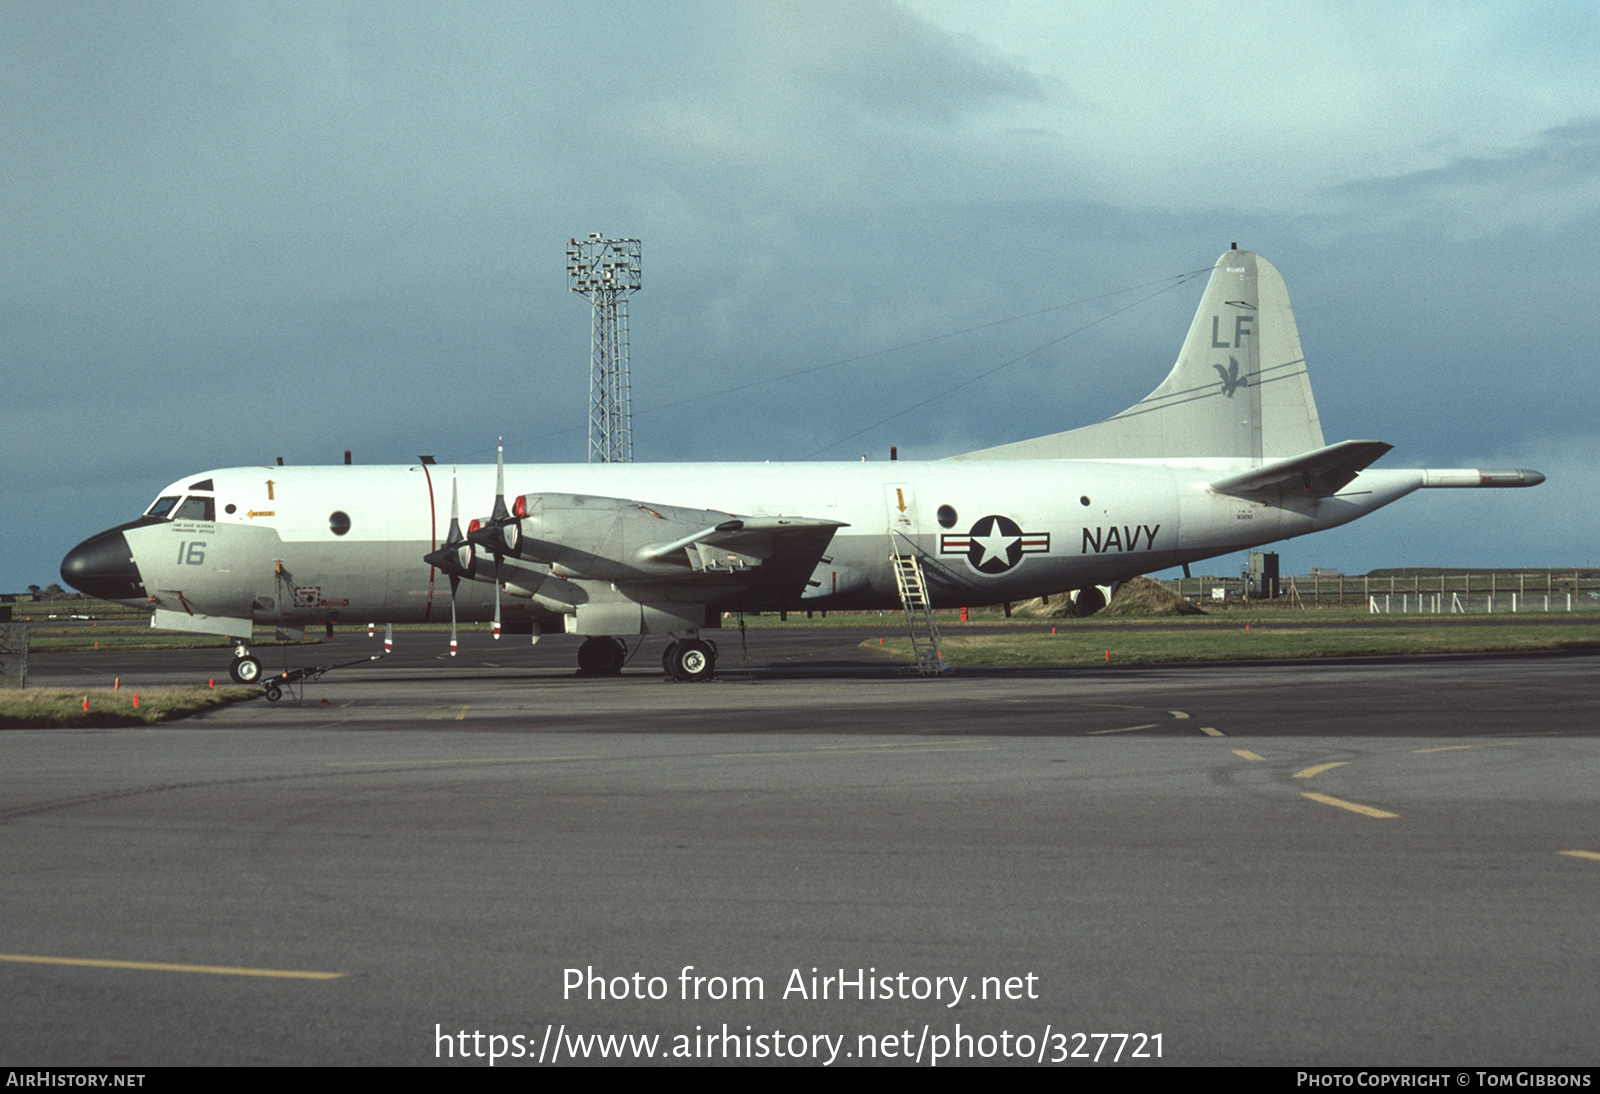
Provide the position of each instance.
(1431, 592)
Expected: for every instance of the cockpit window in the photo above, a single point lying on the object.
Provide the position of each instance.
(203, 484)
(162, 507)
(196, 509)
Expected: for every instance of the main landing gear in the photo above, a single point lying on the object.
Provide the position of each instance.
(690, 660)
(686, 659)
(245, 668)
(601, 657)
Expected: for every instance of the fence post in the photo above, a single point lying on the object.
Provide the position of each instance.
(13, 655)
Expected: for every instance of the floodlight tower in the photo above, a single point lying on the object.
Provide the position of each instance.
(607, 272)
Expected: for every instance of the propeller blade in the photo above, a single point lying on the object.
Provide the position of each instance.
(455, 556)
(501, 532)
(500, 479)
(496, 598)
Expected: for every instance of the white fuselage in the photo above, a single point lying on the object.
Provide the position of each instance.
(986, 531)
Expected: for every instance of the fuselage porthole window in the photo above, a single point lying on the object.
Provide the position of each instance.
(947, 516)
(339, 522)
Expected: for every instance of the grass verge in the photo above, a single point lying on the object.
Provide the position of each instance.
(56, 708)
(1260, 642)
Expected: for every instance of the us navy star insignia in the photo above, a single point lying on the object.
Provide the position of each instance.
(995, 544)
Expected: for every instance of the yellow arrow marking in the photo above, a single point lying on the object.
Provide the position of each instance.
(269, 491)
(901, 498)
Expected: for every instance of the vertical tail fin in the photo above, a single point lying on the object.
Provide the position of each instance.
(1239, 388)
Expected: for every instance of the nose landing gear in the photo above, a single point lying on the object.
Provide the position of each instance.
(245, 668)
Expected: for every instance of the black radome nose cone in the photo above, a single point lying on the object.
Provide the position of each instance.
(102, 566)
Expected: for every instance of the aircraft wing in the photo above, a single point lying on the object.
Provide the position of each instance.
(625, 540)
(1320, 472)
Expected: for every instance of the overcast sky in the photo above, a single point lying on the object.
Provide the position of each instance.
(233, 232)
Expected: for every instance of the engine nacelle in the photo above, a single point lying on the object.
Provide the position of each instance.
(1087, 601)
(614, 539)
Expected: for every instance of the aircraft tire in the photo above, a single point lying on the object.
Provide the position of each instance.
(245, 670)
(601, 657)
(272, 693)
(693, 660)
(666, 657)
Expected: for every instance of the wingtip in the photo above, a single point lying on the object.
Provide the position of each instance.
(1511, 477)
(1494, 478)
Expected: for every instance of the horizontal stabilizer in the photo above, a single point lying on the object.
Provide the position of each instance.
(1321, 472)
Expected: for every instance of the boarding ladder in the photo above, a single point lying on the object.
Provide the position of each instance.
(913, 586)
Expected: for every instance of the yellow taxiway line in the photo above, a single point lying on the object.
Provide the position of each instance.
(160, 966)
(1246, 754)
(1312, 772)
(1582, 854)
(458, 760)
(1458, 748)
(1354, 807)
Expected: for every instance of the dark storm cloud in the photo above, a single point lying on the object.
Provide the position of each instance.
(1562, 164)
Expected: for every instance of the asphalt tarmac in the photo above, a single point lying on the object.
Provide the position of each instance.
(1368, 862)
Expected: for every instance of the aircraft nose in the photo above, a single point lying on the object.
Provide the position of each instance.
(102, 566)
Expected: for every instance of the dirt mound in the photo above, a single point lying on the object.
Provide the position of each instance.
(1139, 596)
(1142, 596)
(1054, 606)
